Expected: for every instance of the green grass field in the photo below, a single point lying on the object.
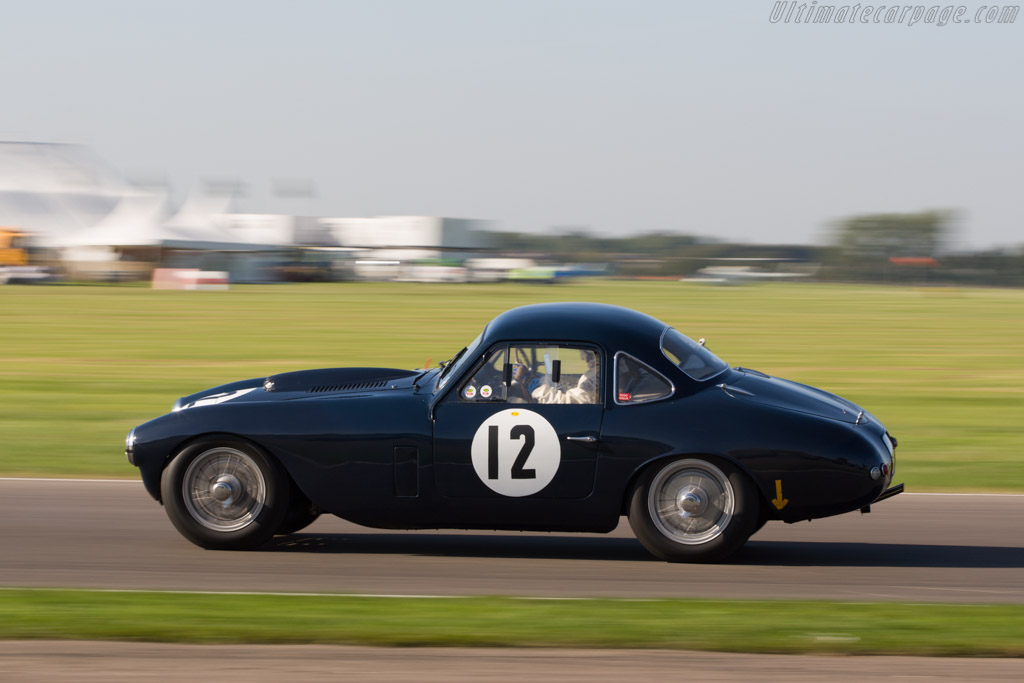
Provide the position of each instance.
(790, 626)
(81, 365)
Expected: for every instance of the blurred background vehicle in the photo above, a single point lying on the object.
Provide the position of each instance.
(15, 264)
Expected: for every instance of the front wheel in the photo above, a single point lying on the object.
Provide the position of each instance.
(225, 494)
(692, 510)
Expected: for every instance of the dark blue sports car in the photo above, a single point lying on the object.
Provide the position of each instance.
(558, 417)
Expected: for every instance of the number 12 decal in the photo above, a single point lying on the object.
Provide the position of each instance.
(518, 469)
(506, 443)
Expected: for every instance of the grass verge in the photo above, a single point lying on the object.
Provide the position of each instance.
(784, 626)
(80, 366)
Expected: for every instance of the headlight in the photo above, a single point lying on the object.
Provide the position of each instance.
(129, 447)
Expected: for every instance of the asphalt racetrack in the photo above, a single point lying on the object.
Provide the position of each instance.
(112, 535)
(106, 662)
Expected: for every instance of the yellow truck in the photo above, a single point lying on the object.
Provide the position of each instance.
(14, 262)
(13, 248)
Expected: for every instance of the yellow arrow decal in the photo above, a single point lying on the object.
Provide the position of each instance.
(778, 501)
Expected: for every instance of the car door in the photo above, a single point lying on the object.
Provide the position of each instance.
(525, 422)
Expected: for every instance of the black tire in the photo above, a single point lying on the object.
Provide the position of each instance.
(225, 494)
(301, 513)
(707, 510)
(762, 518)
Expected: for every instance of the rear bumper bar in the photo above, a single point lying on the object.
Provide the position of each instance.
(890, 492)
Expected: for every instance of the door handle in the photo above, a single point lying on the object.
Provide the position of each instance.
(584, 439)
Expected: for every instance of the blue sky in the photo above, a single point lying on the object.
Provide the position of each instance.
(617, 117)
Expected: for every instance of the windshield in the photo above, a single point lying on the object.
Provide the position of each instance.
(458, 361)
(696, 361)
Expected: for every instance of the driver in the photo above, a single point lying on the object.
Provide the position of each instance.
(543, 390)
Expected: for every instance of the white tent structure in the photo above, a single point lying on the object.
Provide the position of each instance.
(136, 221)
(205, 233)
(53, 189)
(208, 221)
(68, 200)
(66, 197)
(138, 234)
(140, 220)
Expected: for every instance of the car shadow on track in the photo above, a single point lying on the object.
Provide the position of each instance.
(832, 554)
(754, 553)
(466, 545)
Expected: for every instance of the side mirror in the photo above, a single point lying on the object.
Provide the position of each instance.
(556, 371)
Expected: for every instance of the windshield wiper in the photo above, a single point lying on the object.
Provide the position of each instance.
(416, 380)
(446, 365)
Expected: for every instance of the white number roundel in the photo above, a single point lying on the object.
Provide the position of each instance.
(516, 452)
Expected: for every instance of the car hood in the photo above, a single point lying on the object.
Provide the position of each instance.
(302, 384)
(750, 385)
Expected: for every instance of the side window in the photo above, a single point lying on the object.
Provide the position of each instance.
(554, 374)
(487, 383)
(539, 373)
(637, 382)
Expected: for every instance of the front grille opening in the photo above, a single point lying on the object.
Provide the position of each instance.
(324, 388)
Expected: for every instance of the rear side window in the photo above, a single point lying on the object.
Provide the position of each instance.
(637, 382)
(690, 357)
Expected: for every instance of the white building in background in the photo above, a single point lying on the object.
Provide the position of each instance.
(396, 247)
(261, 228)
(409, 236)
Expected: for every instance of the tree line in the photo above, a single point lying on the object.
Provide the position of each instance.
(913, 248)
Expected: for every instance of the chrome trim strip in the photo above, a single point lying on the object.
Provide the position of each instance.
(729, 389)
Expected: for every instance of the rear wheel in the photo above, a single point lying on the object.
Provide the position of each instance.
(225, 494)
(762, 519)
(693, 510)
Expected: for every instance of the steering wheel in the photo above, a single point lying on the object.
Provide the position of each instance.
(524, 379)
(521, 361)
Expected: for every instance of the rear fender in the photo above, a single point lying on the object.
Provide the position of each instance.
(714, 459)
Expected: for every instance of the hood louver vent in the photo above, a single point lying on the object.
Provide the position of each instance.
(324, 388)
(329, 380)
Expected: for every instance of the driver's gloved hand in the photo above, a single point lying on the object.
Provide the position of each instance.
(518, 372)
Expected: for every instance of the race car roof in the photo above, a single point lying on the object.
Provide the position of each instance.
(614, 327)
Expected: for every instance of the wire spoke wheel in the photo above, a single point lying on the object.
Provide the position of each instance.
(224, 489)
(691, 501)
(225, 493)
(693, 510)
